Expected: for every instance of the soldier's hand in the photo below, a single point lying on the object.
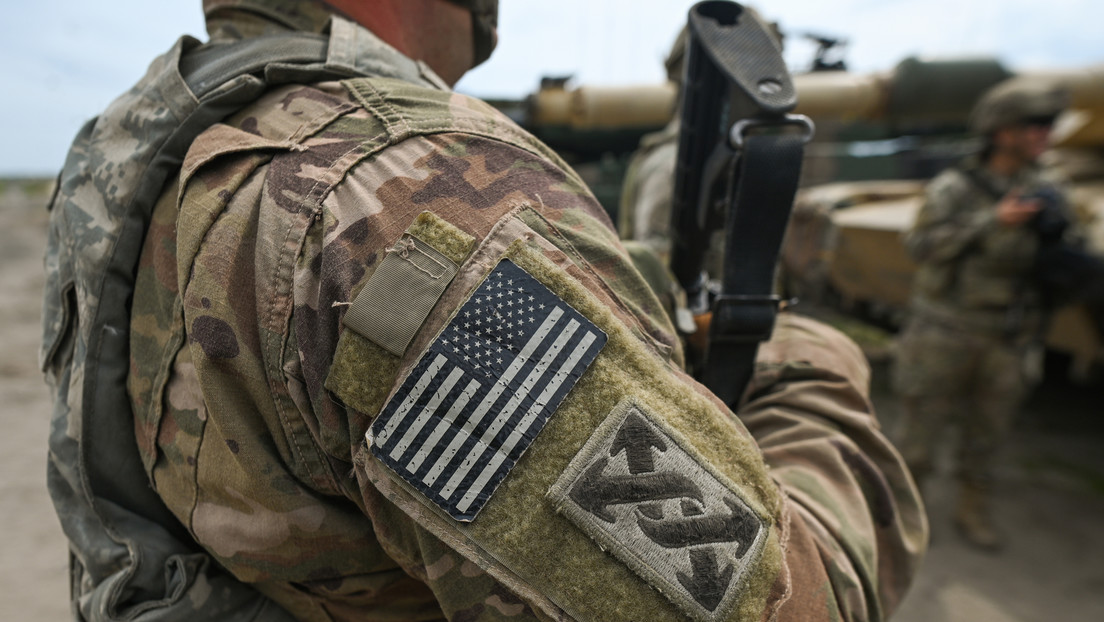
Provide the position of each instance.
(1013, 211)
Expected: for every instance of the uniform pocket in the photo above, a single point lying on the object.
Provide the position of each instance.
(59, 325)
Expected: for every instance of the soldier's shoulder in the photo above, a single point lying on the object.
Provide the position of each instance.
(410, 109)
(362, 114)
(951, 180)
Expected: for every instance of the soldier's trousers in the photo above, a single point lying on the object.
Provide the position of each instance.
(955, 378)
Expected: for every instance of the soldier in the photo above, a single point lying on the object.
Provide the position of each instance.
(970, 351)
(388, 361)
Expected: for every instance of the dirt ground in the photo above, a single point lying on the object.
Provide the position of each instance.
(1051, 496)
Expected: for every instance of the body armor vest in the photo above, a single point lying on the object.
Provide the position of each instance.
(131, 559)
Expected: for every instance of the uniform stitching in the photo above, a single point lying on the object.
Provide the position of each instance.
(277, 398)
(380, 107)
(313, 125)
(377, 102)
(319, 468)
(783, 526)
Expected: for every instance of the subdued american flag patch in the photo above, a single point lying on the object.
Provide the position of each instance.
(483, 390)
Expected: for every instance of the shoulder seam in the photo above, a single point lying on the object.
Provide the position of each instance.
(376, 104)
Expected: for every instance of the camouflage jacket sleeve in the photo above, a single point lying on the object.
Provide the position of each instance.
(957, 218)
(254, 396)
(853, 505)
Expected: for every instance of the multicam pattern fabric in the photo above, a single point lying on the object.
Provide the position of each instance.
(128, 554)
(285, 210)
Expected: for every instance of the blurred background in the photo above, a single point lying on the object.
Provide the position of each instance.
(64, 60)
(889, 83)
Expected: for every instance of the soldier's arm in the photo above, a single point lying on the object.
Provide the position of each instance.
(852, 502)
(831, 524)
(946, 227)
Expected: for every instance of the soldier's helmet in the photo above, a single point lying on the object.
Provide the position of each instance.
(1018, 101)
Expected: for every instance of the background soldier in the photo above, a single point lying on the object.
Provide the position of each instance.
(388, 361)
(971, 350)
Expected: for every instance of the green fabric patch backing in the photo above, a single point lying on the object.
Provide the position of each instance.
(520, 528)
(362, 372)
(443, 236)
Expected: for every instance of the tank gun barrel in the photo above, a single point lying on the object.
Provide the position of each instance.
(915, 89)
(925, 95)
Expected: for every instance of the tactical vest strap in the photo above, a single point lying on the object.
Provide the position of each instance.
(223, 87)
(213, 65)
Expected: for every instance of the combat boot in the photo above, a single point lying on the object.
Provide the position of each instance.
(974, 520)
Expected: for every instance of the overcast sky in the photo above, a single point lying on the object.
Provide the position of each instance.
(61, 61)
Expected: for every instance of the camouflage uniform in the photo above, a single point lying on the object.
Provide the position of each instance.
(966, 356)
(253, 387)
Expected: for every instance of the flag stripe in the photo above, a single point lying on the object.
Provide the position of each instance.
(428, 410)
(468, 427)
(522, 358)
(527, 387)
(554, 385)
(507, 412)
(411, 399)
(444, 425)
(516, 436)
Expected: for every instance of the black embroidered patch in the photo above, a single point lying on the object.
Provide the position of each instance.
(483, 390)
(678, 524)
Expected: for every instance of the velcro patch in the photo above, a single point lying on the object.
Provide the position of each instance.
(483, 390)
(642, 495)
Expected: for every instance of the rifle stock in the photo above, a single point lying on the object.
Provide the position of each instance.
(737, 172)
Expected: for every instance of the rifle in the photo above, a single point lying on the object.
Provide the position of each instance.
(737, 169)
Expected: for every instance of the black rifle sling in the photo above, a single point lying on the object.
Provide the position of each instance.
(766, 179)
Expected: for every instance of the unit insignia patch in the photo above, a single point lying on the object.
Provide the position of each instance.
(640, 494)
(483, 390)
